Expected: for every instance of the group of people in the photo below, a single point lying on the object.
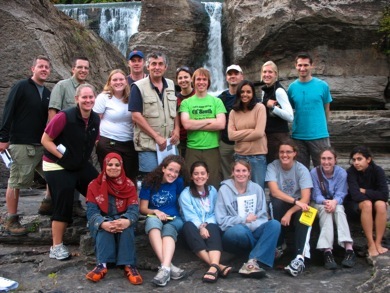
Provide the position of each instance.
(230, 148)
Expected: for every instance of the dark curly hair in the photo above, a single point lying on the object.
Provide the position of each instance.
(153, 179)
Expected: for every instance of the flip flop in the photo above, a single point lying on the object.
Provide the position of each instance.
(224, 273)
(215, 274)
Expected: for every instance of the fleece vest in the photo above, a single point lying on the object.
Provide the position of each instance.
(78, 139)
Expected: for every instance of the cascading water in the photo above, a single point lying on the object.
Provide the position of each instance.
(214, 61)
(117, 25)
(78, 14)
(117, 22)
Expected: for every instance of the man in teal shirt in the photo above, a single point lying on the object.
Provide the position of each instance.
(310, 98)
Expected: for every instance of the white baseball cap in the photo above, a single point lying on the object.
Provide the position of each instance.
(234, 67)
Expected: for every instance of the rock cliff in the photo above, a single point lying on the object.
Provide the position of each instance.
(178, 28)
(34, 27)
(339, 35)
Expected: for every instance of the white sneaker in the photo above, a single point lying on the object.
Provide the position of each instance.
(251, 269)
(296, 267)
(162, 277)
(177, 273)
(59, 252)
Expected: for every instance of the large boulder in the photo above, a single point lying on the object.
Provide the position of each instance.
(34, 27)
(339, 34)
(179, 28)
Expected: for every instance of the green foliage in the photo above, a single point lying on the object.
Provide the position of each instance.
(384, 30)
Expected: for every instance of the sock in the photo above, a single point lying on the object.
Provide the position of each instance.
(103, 264)
(166, 268)
(57, 245)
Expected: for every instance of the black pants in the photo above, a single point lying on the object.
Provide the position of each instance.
(62, 184)
(196, 243)
(279, 209)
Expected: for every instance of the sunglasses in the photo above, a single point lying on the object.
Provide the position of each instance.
(184, 68)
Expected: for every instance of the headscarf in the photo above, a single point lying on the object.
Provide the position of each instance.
(121, 187)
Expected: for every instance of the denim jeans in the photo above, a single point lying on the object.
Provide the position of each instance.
(258, 165)
(116, 248)
(261, 243)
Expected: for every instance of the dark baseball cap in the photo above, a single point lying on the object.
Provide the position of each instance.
(136, 53)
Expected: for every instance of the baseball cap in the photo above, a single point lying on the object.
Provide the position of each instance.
(136, 53)
(234, 67)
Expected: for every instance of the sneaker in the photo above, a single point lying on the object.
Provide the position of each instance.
(251, 269)
(177, 273)
(78, 210)
(349, 259)
(46, 207)
(296, 267)
(133, 275)
(162, 277)
(97, 273)
(13, 226)
(59, 252)
(329, 261)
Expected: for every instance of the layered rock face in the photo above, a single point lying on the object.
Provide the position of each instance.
(179, 28)
(35, 27)
(338, 34)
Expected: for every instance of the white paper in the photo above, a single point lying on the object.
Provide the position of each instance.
(6, 158)
(171, 149)
(7, 284)
(246, 205)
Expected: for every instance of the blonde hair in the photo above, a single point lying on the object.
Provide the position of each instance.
(108, 89)
(274, 68)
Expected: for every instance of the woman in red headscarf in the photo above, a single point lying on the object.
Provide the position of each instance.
(112, 212)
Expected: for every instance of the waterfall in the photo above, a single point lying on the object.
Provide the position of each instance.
(78, 14)
(117, 25)
(114, 22)
(214, 61)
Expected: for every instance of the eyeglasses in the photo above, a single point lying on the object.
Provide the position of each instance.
(286, 152)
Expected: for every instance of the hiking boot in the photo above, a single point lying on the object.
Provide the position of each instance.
(59, 252)
(78, 210)
(296, 267)
(177, 273)
(251, 269)
(46, 207)
(13, 226)
(162, 277)
(97, 273)
(133, 275)
(329, 261)
(349, 259)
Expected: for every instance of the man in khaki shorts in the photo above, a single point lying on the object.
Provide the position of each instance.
(24, 120)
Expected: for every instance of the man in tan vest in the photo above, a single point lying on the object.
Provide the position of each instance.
(154, 111)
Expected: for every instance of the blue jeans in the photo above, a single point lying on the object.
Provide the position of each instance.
(261, 242)
(116, 248)
(258, 165)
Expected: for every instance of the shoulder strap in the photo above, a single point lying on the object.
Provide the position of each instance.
(322, 183)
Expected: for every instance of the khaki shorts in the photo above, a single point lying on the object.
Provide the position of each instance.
(26, 158)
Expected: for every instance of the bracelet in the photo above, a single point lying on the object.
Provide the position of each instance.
(295, 201)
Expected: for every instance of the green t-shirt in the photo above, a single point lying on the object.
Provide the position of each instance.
(198, 109)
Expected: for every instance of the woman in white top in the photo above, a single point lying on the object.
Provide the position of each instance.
(116, 127)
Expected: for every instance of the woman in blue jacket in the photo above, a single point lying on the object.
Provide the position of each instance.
(201, 230)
